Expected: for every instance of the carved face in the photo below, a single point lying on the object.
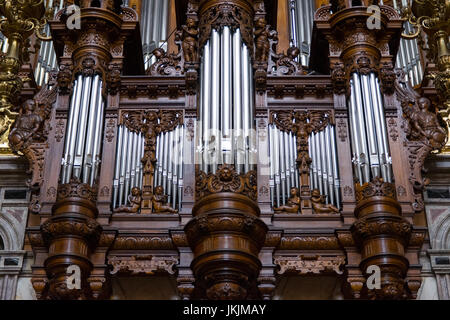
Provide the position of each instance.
(315, 193)
(261, 23)
(158, 53)
(424, 103)
(226, 174)
(135, 191)
(190, 23)
(293, 52)
(159, 190)
(294, 192)
(29, 105)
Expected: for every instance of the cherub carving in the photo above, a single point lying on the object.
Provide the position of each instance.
(293, 203)
(135, 199)
(166, 64)
(159, 201)
(262, 34)
(189, 34)
(286, 63)
(318, 203)
(27, 125)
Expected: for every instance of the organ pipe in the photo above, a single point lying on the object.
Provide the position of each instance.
(368, 129)
(284, 173)
(154, 22)
(408, 57)
(226, 102)
(82, 148)
(301, 14)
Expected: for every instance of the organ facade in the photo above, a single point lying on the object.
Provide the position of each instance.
(224, 149)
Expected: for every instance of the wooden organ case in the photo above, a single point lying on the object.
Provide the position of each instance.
(227, 164)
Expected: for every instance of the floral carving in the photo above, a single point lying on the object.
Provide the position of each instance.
(143, 264)
(76, 189)
(375, 188)
(309, 264)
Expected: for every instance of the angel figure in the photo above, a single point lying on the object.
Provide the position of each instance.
(293, 203)
(159, 201)
(423, 123)
(27, 124)
(318, 203)
(426, 122)
(135, 199)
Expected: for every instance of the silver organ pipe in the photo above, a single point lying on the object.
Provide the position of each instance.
(226, 103)
(154, 21)
(47, 56)
(408, 57)
(368, 129)
(82, 148)
(301, 14)
(128, 167)
(324, 169)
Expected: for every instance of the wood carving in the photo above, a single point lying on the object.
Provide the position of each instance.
(262, 45)
(293, 203)
(424, 131)
(226, 180)
(159, 202)
(309, 264)
(189, 34)
(318, 203)
(142, 264)
(135, 199)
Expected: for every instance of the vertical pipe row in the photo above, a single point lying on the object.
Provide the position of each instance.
(82, 148)
(324, 174)
(368, 129)
(301, 13)
(154, 22)
(128, 167)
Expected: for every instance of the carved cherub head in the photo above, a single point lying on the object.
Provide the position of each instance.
(159, 53)
(29, 105)
(424, 103)
(261, 23)
(225, 173)
(294, 192)
(135, 192)
(315, 193)
(159, 190)
(293, 52)
(190, 23)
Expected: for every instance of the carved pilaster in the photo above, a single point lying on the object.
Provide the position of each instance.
(71, 234)
(382, 236)
(226, 234)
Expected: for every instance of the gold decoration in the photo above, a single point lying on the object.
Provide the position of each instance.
(21, 19)
(433, 18)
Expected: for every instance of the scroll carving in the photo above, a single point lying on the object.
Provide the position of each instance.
(309, 264)
(143, 264)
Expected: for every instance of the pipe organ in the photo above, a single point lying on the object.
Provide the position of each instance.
(370, 147)
(301, 14)
(82, 150)
(226, 103)
(229, 166)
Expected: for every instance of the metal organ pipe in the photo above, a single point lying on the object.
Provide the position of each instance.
(226, 102)
(301, 22)
(84, 131)
(154, 20)
(324, 166)
(368, 129)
